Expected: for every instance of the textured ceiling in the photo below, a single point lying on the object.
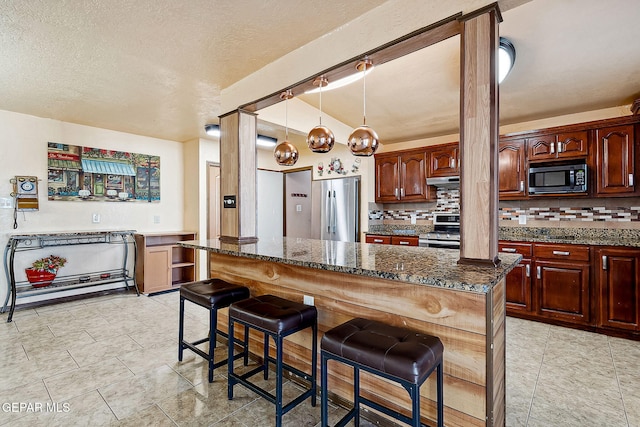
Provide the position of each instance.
(150, 67)
(156, 67)
(571, 56)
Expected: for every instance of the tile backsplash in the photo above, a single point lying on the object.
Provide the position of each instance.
(586, 214)
(449, 201)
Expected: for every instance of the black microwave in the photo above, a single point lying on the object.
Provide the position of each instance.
(567, 178)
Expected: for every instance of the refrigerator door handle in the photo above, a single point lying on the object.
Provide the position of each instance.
(334, 212)
(330, 211)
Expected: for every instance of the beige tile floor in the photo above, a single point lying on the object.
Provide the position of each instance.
(112, 360)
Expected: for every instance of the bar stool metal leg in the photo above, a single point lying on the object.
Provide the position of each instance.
(181, 330)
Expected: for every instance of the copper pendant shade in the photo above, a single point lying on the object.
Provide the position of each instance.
(285, 153)
(363, 141)
(320, 138)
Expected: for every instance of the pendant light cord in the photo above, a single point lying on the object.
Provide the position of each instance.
(364, 94)
(321, 100)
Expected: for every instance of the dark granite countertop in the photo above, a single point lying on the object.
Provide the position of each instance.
(427, 266)
(574, 235)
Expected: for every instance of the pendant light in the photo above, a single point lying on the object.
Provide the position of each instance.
(286, 153)
(320, 138)
(363, 141)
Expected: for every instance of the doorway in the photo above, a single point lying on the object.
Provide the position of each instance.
(297, 188)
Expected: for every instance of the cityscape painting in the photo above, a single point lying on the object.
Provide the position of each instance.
(85, 174)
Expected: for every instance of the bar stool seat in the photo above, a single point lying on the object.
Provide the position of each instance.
(277, 318)
(392, 352)
(212, 294)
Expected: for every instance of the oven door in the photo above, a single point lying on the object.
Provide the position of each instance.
(433, 243)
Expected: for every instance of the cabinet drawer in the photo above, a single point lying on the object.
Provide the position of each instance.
(523, 249)
(382, 240)
(561, 252)
(404, 240)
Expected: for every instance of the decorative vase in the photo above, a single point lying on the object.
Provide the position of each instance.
(39, 279)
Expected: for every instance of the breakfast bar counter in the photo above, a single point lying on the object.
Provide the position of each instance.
(421, 288)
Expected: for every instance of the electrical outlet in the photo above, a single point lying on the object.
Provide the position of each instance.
(308, 300)
(522, 219)
(413, 218)
(95, 218)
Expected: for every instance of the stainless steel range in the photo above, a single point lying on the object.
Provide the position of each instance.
(445, 234)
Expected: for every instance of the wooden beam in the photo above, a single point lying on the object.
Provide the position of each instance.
(479, 138)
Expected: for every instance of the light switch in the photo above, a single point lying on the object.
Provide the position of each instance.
(95, 218)
(6, 203)
(298, 208)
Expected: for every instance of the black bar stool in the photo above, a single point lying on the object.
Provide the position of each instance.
(212, 294)
(277, 318)
(395, 353)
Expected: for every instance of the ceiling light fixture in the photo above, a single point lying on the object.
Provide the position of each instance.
(320, 138)
(363, 141)
(212, 130)
(340, 82)
(506, 58)
(286, 153)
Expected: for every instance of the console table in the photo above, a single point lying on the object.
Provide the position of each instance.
(27, 242)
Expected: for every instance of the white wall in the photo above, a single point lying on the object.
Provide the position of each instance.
(23, 151)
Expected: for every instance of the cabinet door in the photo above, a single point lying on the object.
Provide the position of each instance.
(157, 269)
(572, 144)
(518, 283)
(511, 169)
(387, 179)
(619, 288)
(413, 177)
(563, 290)
(444, 161)
(615, 167)
(542, 147)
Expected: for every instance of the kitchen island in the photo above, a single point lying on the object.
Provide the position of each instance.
(421, 288)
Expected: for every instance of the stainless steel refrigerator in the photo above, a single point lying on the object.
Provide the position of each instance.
(336, 209)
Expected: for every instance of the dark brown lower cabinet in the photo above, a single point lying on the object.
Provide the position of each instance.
(563, 291)
(618, 271)
(518, 281)
(592, 288)
(562, 282)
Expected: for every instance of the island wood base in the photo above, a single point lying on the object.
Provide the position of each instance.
(470, 325)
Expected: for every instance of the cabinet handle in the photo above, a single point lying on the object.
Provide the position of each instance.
(396, 192)
(377, 240)
(563, 253)
(521, 185)
(402, 192)
(508, 250)
(553, 148)
(630, 180)
(527, 270)
(452, 163)
(559, 147)
(538, 273)
(404, 242)
(604, 262)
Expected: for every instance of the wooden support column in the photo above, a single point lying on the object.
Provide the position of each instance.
(238, 132)
(479, 137)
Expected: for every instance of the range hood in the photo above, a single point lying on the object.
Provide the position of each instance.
(445, 182)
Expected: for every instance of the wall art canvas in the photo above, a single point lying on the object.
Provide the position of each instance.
(84, 173)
